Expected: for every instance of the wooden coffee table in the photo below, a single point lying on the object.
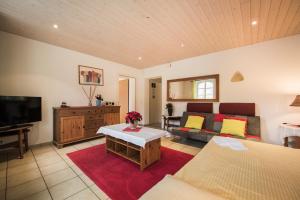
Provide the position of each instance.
(142, 148)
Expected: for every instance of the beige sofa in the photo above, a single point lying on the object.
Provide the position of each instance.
(264, 171)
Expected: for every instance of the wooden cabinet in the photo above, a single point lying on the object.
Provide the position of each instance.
(74, 124)
(72, 128)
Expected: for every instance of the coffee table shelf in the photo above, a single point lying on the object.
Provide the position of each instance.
(141, 156)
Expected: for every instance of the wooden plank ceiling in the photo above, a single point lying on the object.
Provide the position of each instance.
(158, 31)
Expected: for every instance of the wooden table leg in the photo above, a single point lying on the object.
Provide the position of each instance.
(26, 139)
(20, 142)
(286, 141)
(167, 124)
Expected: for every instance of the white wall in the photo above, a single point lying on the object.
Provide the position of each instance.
(132, 93)
(272, 79)
(32, 68)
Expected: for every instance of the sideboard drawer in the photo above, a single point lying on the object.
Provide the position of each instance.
(94, 123)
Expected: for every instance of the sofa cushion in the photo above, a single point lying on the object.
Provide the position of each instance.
(185, 130)
(234, 126)
(217, 126)
(253, 138)
(194, 122)
(208, 121)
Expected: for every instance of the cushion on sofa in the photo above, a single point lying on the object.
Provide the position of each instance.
(194, 122)
(253, 138)
(234, 127)
(208, 121)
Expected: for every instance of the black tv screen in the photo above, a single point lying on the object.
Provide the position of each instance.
(17, 110)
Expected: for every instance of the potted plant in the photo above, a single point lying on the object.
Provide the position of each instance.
(99, 99)
(133, 118)
(169, 107)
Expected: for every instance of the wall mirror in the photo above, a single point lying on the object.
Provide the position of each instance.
(200, 89)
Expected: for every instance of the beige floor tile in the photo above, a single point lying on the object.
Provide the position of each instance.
(16, 162)
(46, 155)
(191, 150)
(97, 141)
(100, 194)
(21, 168)
(2, 194)
(15, 155)
(67, 188)
(66, 150)
(166, 143)
(23, 177)
(76, 169)
(2, 173)
(40, 149)
(83, 145)
(48, 161)
(53, 168)
(86, 180)
(3, 165)
(43, 195)
(176, 146)
(59, 176)
(2, 183)
(24, 190)
(86, 194)
(68, 160)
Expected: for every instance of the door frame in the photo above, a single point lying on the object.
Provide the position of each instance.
(147, 97)
(126, 76)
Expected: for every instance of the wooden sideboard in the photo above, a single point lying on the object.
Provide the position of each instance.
(74, 124)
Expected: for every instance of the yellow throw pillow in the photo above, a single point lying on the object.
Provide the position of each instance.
(234, 127)
(194, 122)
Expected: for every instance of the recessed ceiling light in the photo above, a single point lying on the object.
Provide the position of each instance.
(55, 26)
(182, 45)
(254, 23)
(140, 58)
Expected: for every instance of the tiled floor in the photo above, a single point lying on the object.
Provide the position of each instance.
(46, 172)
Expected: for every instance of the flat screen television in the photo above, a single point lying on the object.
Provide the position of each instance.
(17, 110)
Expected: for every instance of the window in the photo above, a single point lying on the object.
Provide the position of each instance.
(205, 89)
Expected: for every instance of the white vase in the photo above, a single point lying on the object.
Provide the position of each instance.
(133, 125)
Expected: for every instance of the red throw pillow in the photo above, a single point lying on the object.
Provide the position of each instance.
(236, 118)
(253, 137)
(219, 117)
(184, 129)
(231, 136)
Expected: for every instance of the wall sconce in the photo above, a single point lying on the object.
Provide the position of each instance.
(237, 77)
(296, 102)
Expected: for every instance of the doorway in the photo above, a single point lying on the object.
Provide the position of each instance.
(155, 102)
(126, 96)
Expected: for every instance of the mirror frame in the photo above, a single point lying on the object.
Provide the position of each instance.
(214, 76)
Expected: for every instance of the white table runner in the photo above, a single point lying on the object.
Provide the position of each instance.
(139, 138)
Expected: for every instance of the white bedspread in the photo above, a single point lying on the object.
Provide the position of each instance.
(139, 138)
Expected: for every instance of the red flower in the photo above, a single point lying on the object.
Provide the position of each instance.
(133, 116)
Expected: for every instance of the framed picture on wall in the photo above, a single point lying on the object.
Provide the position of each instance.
(90, 75)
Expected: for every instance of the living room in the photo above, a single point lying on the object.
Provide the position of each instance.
(252, 47)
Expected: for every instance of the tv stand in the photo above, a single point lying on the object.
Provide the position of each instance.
(22, 132)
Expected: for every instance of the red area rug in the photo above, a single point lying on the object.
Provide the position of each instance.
(122, 179)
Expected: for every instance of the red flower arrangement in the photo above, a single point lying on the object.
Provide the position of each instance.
(132, 117)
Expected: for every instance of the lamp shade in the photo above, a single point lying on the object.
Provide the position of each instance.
(296, 102)
(237, 77)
